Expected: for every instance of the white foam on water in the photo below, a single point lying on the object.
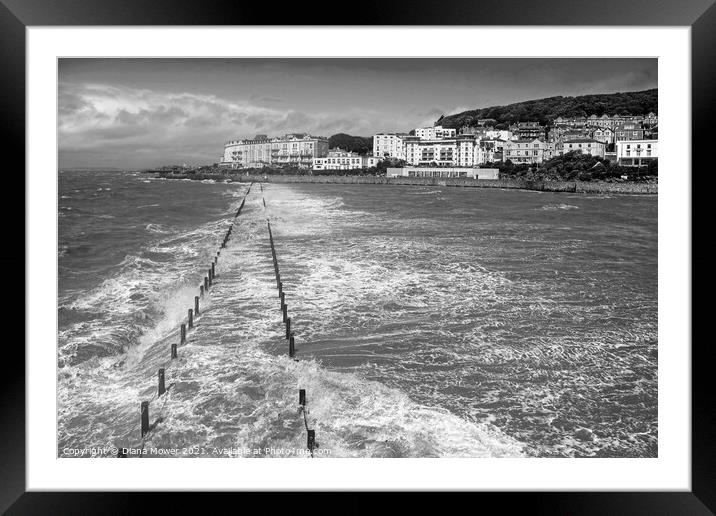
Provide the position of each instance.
(562, 206)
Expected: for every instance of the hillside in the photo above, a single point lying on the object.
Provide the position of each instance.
(359, 144)
(547, 109)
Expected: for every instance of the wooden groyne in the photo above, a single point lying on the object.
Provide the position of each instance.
(164, 387)
(152, 410)
(599, 187)
(311, 443)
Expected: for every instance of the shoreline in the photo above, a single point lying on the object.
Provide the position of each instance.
(515, 184)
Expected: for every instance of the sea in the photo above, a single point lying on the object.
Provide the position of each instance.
(428, 321)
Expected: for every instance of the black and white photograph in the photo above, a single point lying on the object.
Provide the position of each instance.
(321, 258)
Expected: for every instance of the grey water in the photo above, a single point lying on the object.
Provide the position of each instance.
(429, 321)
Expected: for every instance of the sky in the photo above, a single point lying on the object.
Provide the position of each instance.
(141, 113)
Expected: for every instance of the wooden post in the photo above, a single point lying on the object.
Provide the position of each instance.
(213, 271)
(174, 351)
(288, 327)
(206, 284)
(210, 278)
(280, 290)
(311, 441)
(284, 309)
(191, 318)
(196, 305)
(183, 334)
(201, 290)
(145, 418)
(162, 390)
(291, 347)
(302, 397)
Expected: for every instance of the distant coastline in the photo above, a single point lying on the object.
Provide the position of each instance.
(601, 187)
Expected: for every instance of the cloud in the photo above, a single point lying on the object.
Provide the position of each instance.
(132, 127)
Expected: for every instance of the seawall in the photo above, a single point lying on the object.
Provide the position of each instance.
(546, 186)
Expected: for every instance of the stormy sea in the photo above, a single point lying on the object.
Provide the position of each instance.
(428, 321)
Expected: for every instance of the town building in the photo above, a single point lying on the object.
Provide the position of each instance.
(444, 172)
(604, 135)
(338, 159)
(464, 150)
(651, 119)
(486, 133)
(419, 151)
(389, 145)
(584, 146)
(636, 152)
(436, 132)
(629, 131)
(291, 149)
(561, 134)
(528, 151)
(528, 131)
(606, 120)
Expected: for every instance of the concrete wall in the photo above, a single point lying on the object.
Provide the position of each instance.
(548, 186)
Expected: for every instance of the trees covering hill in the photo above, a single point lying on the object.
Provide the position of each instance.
(547, 109)
(359, 144)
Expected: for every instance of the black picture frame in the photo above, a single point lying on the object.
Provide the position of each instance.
(16, 15)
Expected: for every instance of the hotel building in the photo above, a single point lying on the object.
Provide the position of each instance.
(292, 149)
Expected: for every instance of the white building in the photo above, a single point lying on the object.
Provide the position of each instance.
(464, 150)
(292, 149)
(497, 134)
(338, 159)
(444, 172)
(435, 133)
(636, 152)
(584, 146)
(388, 145)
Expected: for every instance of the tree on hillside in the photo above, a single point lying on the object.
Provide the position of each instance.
(547, 109)
(360, 144)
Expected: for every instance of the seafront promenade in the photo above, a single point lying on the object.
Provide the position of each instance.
(547, 186)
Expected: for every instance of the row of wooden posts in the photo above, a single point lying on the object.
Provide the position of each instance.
(191, 314)
(311, 433)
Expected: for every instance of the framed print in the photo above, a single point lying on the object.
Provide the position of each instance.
(388, 256)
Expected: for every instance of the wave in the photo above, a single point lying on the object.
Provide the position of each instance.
(157, 228)
(553, 207)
